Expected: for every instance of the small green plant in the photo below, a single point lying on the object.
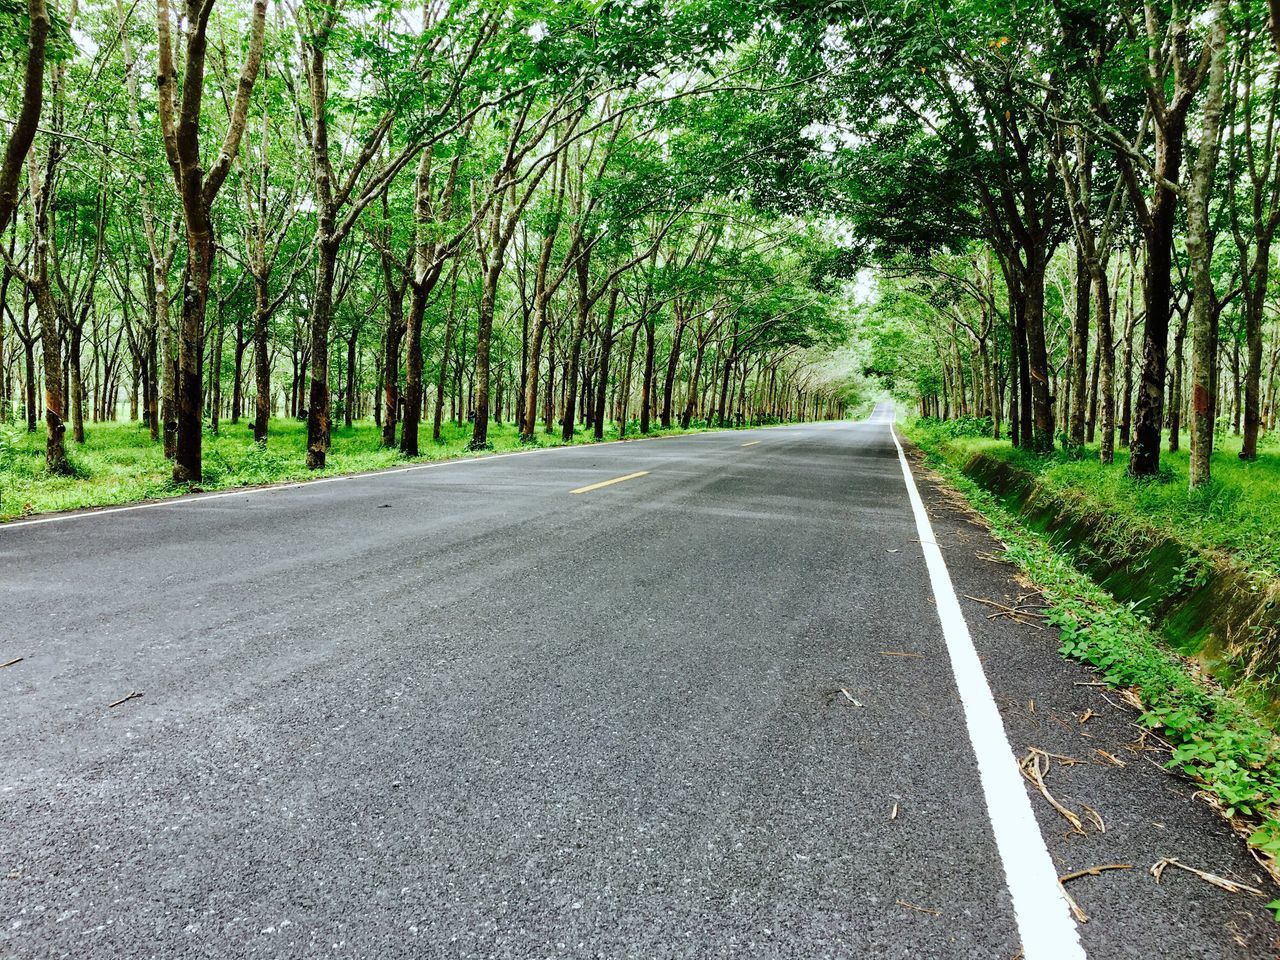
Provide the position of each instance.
(1193, 573)
(9, 438)
(957, 427)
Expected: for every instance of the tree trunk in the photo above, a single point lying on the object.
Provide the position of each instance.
(687, 417)
(29, 356)
(1015, 386)
(55, 450)
(646, 389)
(23, 131)
(215, 375)
(168, 377)
(1175, 386)
(484, 338)
(1253, 320)
(152, 392)
(1025, 413)
(1237, 390)
(443, 378)
(347, 407)
(1091, 430)
(624, 392)
(412, 375)
(1126, 401)
(722, 409)
(318, 426)
(237, 385)
(261, 361)
(533, 364)
(575, 347)
(602, 381)
(188, 454)
(391, 362)
(1200, 254)
(1041, 396)
(1144, 454)
(548, 399)
(1080, 352)
(197, 192)
(76, 387)
(673, 363)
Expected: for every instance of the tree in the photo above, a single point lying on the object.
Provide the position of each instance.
(197, 190)
(24, 128)
(1200, 253)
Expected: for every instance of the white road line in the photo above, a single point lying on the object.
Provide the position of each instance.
(1039, 904)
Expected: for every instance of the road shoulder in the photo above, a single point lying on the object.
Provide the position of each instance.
(1130, 809)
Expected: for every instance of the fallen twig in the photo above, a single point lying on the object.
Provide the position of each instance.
(849, 696)
(1034, 772)
(12, 662)
(1065, 761)
(912, 906)
(133, 695)
(1094, 871)
(900, 653)
(1017, 614)
(1231, 886)
(1079, 914)
(1095, 816)
(1019, 610)
(1109, 757)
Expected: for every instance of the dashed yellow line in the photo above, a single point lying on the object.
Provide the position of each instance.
(751, 444)
(609, 483)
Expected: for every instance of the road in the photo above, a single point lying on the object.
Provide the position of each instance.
(708, 710)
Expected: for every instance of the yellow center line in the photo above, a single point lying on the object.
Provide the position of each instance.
(609, 483)
(751, 444)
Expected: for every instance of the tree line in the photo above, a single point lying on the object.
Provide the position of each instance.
(1070, 207)
(556, 217)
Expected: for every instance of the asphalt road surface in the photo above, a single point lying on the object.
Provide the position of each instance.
(709, 710)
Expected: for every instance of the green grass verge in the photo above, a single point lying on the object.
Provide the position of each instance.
(1238, 512)
(118, 463)
(1217, 741)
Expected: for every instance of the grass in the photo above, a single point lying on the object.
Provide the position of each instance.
(118, 463)
(1215, 739)
(1238, 512)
